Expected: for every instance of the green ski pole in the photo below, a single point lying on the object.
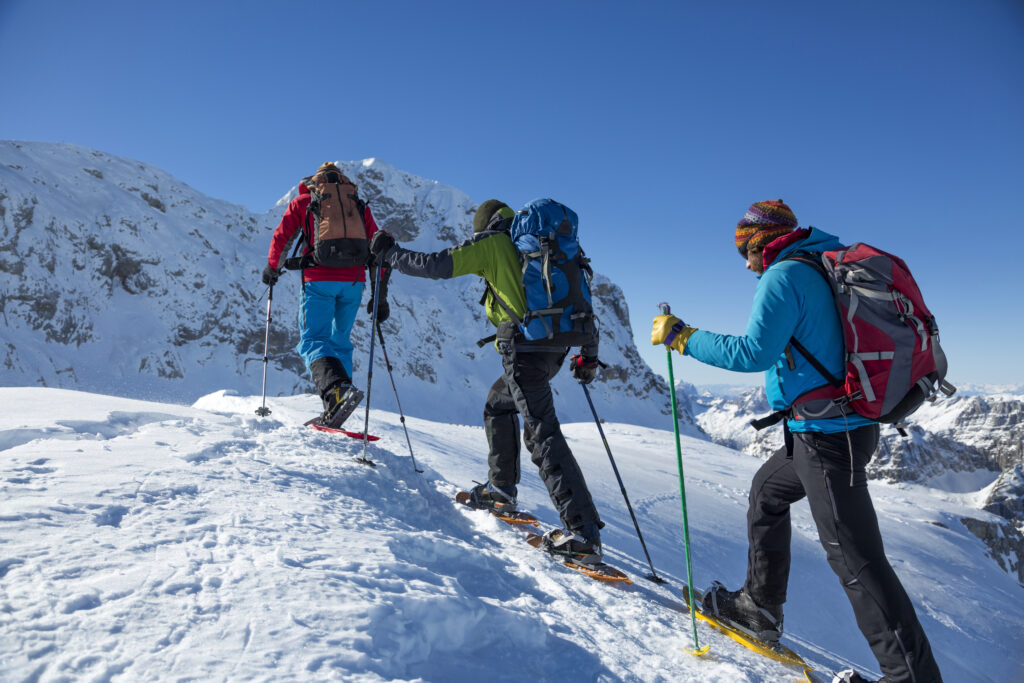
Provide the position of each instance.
(697, 649)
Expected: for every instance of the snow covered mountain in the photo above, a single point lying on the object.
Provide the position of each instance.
(153, 541)
(119, 279)
(971, 446)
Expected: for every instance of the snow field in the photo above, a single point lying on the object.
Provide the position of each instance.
(144, 541)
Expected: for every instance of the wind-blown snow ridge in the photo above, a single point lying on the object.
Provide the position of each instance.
(145, 541)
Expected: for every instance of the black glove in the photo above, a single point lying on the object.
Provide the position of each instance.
(584, 368)
(383, 309)
(270, 276)
(381, 242)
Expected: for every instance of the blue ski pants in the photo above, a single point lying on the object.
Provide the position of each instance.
(326, 315)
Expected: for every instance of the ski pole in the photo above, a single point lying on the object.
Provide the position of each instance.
(369, 372)
(263, 410)
(653, 576)
(697, 649)
(387, 364)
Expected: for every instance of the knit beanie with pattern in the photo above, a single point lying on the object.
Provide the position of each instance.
(486, 211)
(764, 222)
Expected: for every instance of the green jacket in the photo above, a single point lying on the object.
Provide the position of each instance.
(489, 254)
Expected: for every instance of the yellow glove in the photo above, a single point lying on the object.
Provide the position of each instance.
(672, 332)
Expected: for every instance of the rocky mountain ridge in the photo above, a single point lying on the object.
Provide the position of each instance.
(120, 279)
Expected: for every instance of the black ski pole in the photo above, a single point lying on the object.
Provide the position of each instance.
(263, 410)
(387, 364)
(369, 371)
(653, 576)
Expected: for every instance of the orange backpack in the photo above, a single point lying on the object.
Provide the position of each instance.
(335, 229)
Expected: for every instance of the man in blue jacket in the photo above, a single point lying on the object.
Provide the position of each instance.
(823, 460)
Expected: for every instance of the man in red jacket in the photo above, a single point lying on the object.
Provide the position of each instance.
(334, 227)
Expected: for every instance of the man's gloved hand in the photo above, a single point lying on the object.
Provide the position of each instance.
(671, 331)
(381, 242)
(584, 368)
(270, 276)
(383, 309)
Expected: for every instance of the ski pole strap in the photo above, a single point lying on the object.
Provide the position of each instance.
(676, 329)
(770, 420)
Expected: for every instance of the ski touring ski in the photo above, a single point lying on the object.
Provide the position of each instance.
(514, 518)
(519, 519)
(598, 572)
(315, 424)
(778, 652)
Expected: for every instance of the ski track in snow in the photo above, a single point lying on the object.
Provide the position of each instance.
(141, 541)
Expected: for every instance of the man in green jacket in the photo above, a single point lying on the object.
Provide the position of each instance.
(524, 388)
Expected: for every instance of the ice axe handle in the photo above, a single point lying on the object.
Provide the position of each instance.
(665, 310)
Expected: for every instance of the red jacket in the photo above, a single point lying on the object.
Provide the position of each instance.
(290, 228)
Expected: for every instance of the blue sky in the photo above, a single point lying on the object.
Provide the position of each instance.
(894, 123)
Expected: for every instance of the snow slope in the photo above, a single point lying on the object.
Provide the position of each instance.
(146, 541)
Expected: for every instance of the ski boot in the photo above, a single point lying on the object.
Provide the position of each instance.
(491, 497)
(339, 402)
(573, 547)
(738, 610)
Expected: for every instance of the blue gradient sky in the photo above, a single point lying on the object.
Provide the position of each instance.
(896, 123)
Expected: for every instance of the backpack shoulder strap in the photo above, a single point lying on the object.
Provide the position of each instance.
(814, 260)
(505, 306)
(815, 363)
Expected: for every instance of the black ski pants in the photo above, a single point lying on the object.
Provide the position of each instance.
(525, 389)
(818, 466)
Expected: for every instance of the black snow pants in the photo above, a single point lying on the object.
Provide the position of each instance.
(525, 389)
(818, 466)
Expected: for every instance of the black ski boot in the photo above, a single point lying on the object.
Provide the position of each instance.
(573, 547)
(738, 610)
(336, 391)
(339, 402)
(493, 498)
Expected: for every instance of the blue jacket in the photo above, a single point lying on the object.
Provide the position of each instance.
(791, 300)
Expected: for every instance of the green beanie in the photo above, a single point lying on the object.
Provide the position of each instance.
(485, 212)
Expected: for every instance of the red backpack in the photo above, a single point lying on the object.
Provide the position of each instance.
(894, 362)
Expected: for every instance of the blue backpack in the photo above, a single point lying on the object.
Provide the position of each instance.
(556, 275)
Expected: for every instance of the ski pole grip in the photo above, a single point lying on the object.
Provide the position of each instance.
(665, 310)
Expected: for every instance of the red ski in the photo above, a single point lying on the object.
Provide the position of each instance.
(315, 424)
